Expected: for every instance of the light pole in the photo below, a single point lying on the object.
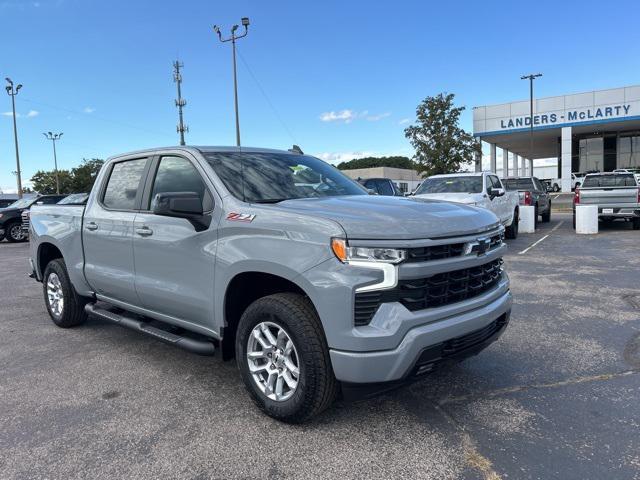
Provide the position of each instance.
(232, 39)
(13, 92)
(53, 137)
(531, 78)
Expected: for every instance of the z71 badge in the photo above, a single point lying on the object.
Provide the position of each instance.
(240, 217)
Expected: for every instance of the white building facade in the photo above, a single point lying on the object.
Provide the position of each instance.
(591, 131)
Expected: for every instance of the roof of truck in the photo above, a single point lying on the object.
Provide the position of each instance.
(204, 149)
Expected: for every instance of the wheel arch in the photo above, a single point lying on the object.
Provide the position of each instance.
(245, 288)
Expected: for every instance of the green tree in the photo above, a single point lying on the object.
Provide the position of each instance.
(45, 182)
(371, 162)
(85, 175)
(441, 146)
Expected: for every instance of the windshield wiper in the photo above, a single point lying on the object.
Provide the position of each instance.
(269, 200)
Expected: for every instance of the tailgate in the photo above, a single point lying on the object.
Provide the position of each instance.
(608, 195)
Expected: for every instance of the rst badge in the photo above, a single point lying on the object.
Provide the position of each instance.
(240, 217)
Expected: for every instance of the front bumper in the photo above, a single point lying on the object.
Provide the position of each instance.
(425, 345)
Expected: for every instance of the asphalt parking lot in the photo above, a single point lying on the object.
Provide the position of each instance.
(556, 397)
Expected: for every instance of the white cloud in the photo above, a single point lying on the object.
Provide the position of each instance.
(348, 116)
(379, 116)
(89, 110)
(31, 114)
(404, 121)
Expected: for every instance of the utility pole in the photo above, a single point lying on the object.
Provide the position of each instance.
(13, 92)
(232, 39)
(53, 137)
(531, 78)
(180, 102)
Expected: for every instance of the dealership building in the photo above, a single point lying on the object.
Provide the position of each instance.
(591, 131)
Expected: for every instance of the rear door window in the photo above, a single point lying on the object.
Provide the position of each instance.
(123, 186)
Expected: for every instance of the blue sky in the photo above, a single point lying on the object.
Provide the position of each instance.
(341, 79)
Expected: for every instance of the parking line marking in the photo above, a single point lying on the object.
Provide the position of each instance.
(543, 238)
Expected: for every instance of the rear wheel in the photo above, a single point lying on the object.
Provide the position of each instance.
(512, 230)
(546, 216)
(283, 358)
(15, 233)
(65, 306)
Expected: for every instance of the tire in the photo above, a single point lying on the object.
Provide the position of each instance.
(636, 223)
(535, 218)
(556, 187)
(546, 216)
(56, 284)
(512, 230)
(14, 233)
(574, 220)
(316, 387)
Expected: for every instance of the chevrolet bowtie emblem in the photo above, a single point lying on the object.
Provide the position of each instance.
(479, 247)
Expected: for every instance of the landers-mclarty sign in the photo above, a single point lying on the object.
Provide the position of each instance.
(569, 116)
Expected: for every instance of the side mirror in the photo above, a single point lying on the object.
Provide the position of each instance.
(371, 191)
(497, 192)
(186, 205)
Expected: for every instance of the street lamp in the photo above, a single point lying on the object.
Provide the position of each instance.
(53, 137)
(12, 92)
(531, 78)
(232, 39)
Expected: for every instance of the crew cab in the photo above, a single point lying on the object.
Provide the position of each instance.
(482, 189)
(533, 193)
(280, 261)
(11, 216)
(617, 196)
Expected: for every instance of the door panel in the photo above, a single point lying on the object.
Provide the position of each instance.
(108, 232)
(174, 262)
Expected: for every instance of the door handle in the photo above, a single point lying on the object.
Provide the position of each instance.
(91, 226)
(144, 231)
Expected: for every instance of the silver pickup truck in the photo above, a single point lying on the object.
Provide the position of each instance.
(617, 196)
(280, 261)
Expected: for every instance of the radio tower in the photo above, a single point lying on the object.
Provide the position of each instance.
(180, 102)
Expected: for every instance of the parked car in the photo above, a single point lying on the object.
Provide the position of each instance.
(382, 186)
(11, 216)
(531, 192)
(617, 196)
(482, 189)
(311, 290)
(576, 180)
(7, 199)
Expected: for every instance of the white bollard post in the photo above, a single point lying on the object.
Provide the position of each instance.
(586, 219)
(527, 220)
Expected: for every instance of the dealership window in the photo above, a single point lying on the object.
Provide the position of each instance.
(591, 154)
(629, 151)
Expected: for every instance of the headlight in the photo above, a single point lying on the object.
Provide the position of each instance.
(0, 215)
(345, 253)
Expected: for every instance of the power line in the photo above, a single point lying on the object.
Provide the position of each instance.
(266, 97)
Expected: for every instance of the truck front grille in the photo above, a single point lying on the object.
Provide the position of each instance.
(449, 250)
(435, 291)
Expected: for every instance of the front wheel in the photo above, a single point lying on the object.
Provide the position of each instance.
(15, 233)
(512, 230)
(546, 216)
(65, 306)
(556, 187)
(283, 358)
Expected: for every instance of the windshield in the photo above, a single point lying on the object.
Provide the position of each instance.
(616, 180)
(274, 177)
(22, 203)
(75, 199)
(467, 184)
(518, 184)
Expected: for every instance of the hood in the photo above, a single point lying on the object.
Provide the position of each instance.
(465, 198)
(386, 218)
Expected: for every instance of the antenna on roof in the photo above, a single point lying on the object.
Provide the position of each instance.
(296, 149)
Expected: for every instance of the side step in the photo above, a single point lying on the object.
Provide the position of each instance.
(200, 347)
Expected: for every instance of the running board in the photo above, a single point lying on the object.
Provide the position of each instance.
(200, 347)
